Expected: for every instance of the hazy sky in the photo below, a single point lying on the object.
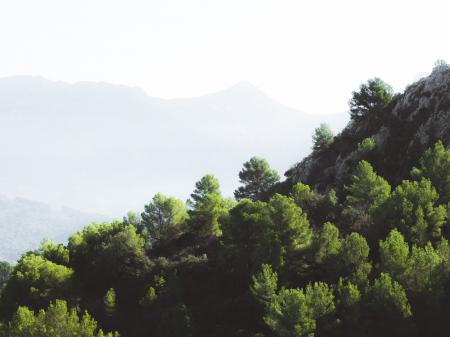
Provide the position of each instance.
(307, 54)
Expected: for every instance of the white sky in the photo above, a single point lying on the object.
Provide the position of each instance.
(307, 54)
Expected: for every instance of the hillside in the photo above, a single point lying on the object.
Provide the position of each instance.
(412, 122)
(108, 149)
(354, 243)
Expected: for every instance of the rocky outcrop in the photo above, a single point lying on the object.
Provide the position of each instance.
(413, 122)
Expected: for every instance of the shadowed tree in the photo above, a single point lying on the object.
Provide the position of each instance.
(207, 207)
(163, 218)
(322, 138)
(372, 97)
(256, 177)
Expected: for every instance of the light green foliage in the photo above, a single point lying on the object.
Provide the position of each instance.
(348, 305)
(289, 315)
(412, 209)
(423, 265)
(348, 295)
(107, 253)
(319, 297)
(56, 253)
(394, 254)
(304, 197)
(320, 208)
(328, 243)
(92, 238)
(367, 145)
(133, 218)
(163, 218)
(264, 285)
(207, 207)
(390, 295)
(353, 256)
(35, 282)
(419, 270)
(149, 298)
(296, 312)
(388, 309)
(206, 214)
(207, 185)
(256, 177)
(367, 190)
(435, 165)
(372, 97)
(109, 302)
(290, 222)
(354, 250)
(322, 138)
(56, 321)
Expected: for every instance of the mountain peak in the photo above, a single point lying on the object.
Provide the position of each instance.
(245, 88)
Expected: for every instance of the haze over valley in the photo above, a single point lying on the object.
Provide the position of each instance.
(84, 152)
(108, 149)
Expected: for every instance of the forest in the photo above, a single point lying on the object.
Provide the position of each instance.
(365, 255)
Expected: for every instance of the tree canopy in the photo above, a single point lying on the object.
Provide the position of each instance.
(256, 177)
(371, 98)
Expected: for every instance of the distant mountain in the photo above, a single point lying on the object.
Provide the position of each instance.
(109, 148)
(24, 223)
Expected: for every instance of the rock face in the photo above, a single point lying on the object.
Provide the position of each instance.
(413, 122)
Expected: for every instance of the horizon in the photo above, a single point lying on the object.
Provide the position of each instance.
(291, 50)
(237, 85)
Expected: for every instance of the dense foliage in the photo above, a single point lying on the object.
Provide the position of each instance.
(373, 260)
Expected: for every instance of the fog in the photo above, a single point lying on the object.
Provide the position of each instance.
(108, 149)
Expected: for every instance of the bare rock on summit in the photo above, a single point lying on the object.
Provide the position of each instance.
(412, 122)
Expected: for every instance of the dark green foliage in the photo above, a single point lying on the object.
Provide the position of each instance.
(257, 233)
(5, 273)
(348, 306)
(257, 178)
(319, 207)
(371, 98)
(387, 309)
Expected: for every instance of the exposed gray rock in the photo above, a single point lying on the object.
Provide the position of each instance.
(414, 122)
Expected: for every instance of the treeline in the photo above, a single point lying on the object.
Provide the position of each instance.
(370, 260)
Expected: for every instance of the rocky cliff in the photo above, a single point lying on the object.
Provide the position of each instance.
(411, 123)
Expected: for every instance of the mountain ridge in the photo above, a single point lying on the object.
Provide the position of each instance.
(409, 125)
